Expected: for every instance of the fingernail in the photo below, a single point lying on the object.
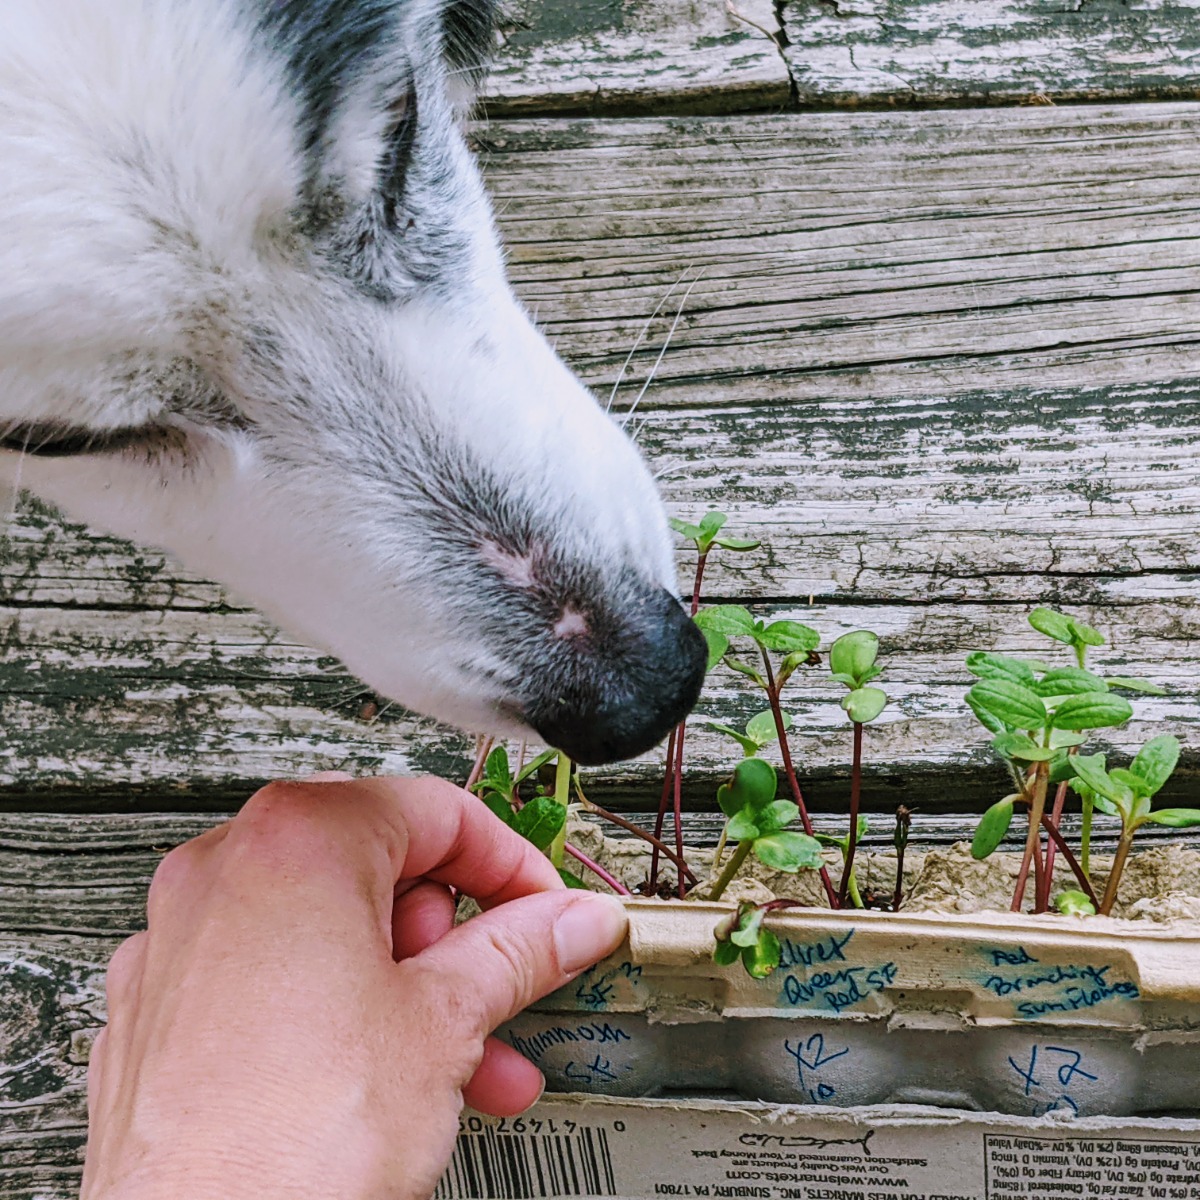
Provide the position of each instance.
(591, 927)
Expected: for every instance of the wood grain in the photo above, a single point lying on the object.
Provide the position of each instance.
(941, 362)
(561, 57)
(998, 52)
(612, 57)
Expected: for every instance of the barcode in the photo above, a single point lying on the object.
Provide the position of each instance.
(505, 1166)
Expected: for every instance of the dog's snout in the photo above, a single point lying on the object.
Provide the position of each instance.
(629, 693)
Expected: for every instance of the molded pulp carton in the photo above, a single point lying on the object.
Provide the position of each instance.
(890, 1057)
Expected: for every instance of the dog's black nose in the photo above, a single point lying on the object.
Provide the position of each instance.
(628, 686)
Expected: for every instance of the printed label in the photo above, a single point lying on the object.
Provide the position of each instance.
(639, 1150)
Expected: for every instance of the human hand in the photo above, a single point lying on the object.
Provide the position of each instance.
(301, 1018)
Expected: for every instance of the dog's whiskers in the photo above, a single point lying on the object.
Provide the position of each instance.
(661, 354)
(640, 338)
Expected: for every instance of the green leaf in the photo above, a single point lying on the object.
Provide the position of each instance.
(992, 827)
(749, 923)
(1010, 702)
(1069, 681)
(1085, 634)
(743, 825)
(735, 664)
(1131, 684)
(726, 954)
(691, 532)
(534, 765)
(712, 522)
(985, 718)
(496, 773)
(789, 851)
(738, 545)
(500, 807)
(752, 784)
(1177, 818)
(1060, 768)
(864, 704)
(790, 662)
(572, 881)
(788, 636)
(763, 957)
(854, 654)
(1090, 768)
(732, 620)
(776, 816)
(1155, 761)
(1053, 624)
(1130, 779)
(717, 644)
(1095, 710)
(1074, 904)
(540, 820)
(761, 726)
(986, 665)
(1021, 746)
(748, 744)
(1061, 739)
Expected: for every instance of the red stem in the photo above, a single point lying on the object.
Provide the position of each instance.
(1084, 882)
(663, 801)
(485, 748)
(1033, 841)
(596, 869)
(673, 774)
(788, 770)
(678, 773)
(638, 831)
(1060, 799)
(855, 789)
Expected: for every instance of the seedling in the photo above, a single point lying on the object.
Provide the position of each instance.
(846, 844)
(1127, 793)
(742, 935)
(759, 733)
(542, 820)
(797, 643)
(852, 661)
(1040, 717)
(900, 841)
(704, 536)
(758, 822)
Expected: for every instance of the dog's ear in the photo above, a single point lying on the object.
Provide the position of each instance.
(469, 38)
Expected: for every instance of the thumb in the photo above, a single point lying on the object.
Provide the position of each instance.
(500, 962)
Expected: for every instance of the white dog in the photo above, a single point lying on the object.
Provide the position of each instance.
(253, 310)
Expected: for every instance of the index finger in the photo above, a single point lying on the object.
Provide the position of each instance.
(426, 828)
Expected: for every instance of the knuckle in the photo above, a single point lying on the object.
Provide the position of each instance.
(124, 968)
(283, 816)
(172, 879)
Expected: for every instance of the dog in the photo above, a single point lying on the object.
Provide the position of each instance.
(253, 310)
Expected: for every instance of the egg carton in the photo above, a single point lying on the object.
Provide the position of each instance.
(987, 1012)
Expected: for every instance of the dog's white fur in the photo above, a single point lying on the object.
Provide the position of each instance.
(314, 446)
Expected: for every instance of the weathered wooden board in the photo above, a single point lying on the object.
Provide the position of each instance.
(86, 876)
(636, 56)
(563, 57)
(942, 362)
(52, 995)
(194, 709)
(990, 51)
